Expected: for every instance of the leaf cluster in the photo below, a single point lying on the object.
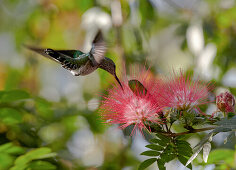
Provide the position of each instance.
(164, 149)
(20, 158)
(225, 125)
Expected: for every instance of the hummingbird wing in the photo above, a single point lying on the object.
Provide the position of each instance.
(71, 53)
(40, 51)
(67, 58)
(98, 49)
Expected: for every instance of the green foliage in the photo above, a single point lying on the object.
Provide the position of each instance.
(8, 153)
(222, 158)
(23, 161)
(39, 165)
(33, 129)
(13, 95)
(225, 125)
(13, 112)
(10, 116)
(147, 163)
(23, 116)
(166, 149)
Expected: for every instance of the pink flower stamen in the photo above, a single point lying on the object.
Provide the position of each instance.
(123, 106)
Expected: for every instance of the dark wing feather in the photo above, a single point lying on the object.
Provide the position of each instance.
(71, 53)
(98, 49)
(40, 51)
(63, 57)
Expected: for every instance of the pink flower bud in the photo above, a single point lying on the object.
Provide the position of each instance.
(225, 102)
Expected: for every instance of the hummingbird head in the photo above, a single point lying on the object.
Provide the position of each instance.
(108, 65)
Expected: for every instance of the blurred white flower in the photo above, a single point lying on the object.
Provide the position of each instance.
(93, 20)
(226, 4)
(204, 62)
(195, 38)
(84, 146)
(116, 13)
(95, 17)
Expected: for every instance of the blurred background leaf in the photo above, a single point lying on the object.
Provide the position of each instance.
(44, 106)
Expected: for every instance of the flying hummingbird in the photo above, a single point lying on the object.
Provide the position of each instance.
(80, 63)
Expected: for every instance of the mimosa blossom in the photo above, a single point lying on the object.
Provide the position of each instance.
(183, 93)
(125, 107)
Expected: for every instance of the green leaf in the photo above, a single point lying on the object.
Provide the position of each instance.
(19, 167)
(170, 157)
(182, 152)
(49, 155)
(15, 150)
(184, 160)
(182, 137)
(43, 108)
(154, 140)
(150, 153)
(5, 147)
(173, 117)
(165, 156)
(39, 165)
(13, 95)
(10, 116)
(5, 161)
(163, 137)
(219, 155)
(154, 147)
(161, 164)
(9, 148)
(186, 147)
(160, 142)
(146, 163)
(137, 87)
(183, 148)
(182, 142)
(39, 153)
(194, 155)
(169, 149)
(13, 79)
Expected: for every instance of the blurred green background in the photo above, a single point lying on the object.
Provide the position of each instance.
(49, 119)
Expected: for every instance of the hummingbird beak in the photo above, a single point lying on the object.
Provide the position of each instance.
(118, 81)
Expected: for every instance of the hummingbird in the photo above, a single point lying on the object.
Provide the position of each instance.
(80, 63)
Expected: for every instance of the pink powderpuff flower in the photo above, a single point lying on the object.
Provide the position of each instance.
(225, 102)
(126, 107)
(183, 93)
